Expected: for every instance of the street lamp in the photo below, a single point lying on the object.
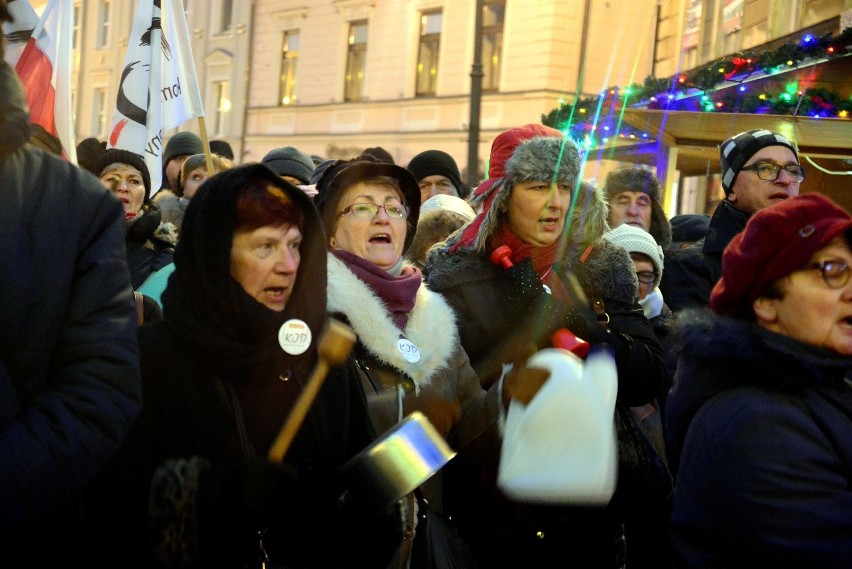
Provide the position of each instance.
(475, 98)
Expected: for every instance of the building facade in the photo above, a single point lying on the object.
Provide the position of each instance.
(333, 77)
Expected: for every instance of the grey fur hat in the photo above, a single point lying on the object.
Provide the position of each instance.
(539, 158)
(634, 179)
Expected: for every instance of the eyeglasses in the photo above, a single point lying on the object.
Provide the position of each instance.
(371, 210)
(834, 273)
(769, 171)
(646, 277)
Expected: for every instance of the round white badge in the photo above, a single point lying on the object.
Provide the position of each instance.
(294, 337)
(409, 351)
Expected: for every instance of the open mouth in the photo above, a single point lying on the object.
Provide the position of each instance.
(275, 293)
(550, 223)
(381, 238)
(778, 196)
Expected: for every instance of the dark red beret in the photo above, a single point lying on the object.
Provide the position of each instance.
(776, 241)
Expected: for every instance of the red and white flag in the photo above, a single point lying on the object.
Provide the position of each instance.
(44, 69)
(18, 33)
(158, 88)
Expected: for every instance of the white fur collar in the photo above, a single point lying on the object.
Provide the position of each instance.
(431, 323)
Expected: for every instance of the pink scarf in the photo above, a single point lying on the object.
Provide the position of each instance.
(398, 292)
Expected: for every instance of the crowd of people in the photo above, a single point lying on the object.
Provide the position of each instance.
(154, 342)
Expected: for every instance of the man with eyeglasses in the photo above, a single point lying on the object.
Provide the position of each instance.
(759, 168)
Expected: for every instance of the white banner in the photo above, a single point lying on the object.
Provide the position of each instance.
(158, 89)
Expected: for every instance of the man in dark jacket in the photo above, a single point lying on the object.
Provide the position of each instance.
(759, 168)
(69, 369)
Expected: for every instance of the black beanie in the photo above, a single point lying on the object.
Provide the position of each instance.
(185, 143)
(289, 161)
(736, 151)
(88, 152)
(222, 148)
(438, 163)
(380, 154)
(119, 156)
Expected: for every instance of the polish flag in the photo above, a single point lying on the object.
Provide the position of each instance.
(158, 89)
(44, 68)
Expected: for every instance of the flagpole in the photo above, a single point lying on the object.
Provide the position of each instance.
(205, 144)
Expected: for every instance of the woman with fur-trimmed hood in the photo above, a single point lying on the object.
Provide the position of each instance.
(526, 204)
(408, 351)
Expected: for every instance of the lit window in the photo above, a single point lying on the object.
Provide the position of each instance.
(289, 59)
(493, 14)
(223, 105)
(355, 61)
(427, 58)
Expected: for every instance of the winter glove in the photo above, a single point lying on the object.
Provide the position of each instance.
(442, 413)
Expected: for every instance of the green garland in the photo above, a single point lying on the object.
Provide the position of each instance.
(591, 118)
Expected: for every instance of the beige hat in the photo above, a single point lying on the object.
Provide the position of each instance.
(446, 202)
(637, 240)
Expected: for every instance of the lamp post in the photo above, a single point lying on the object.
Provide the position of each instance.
(475, 98)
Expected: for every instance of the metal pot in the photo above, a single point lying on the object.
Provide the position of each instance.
(397, 462)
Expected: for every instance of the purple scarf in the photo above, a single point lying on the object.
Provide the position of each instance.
(397, 292)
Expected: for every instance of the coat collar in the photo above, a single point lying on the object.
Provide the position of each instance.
(431, 324)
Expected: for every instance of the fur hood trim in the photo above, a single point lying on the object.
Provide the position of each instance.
(431, 324)
(433, 227)
(749, 350)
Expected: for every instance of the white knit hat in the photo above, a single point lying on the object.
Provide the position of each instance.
(636, 240)
(446, 202)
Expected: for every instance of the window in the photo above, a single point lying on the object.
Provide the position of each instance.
(99, 119)
(289, 59)
(690, 58)
(104, 12)
(493, 13)
(732, 21)
(223, 105)
(427, 58)
(75, 34)
(355, 60)
(226, 15)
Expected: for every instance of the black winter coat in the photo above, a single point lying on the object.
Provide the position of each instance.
(194, 485)
(509, 534)
(692, 272)
(69, 362)
(760, 426)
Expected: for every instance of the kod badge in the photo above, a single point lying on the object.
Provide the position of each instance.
(409, 351)
(294, 337)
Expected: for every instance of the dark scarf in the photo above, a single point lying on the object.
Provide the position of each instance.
(398, 292)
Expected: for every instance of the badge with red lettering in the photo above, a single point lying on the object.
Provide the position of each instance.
(409, 351)
(294, 337)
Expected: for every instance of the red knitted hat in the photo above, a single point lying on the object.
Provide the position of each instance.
(776, 241)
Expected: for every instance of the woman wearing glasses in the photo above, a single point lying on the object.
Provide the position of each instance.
(761, 411)
(408, 352)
